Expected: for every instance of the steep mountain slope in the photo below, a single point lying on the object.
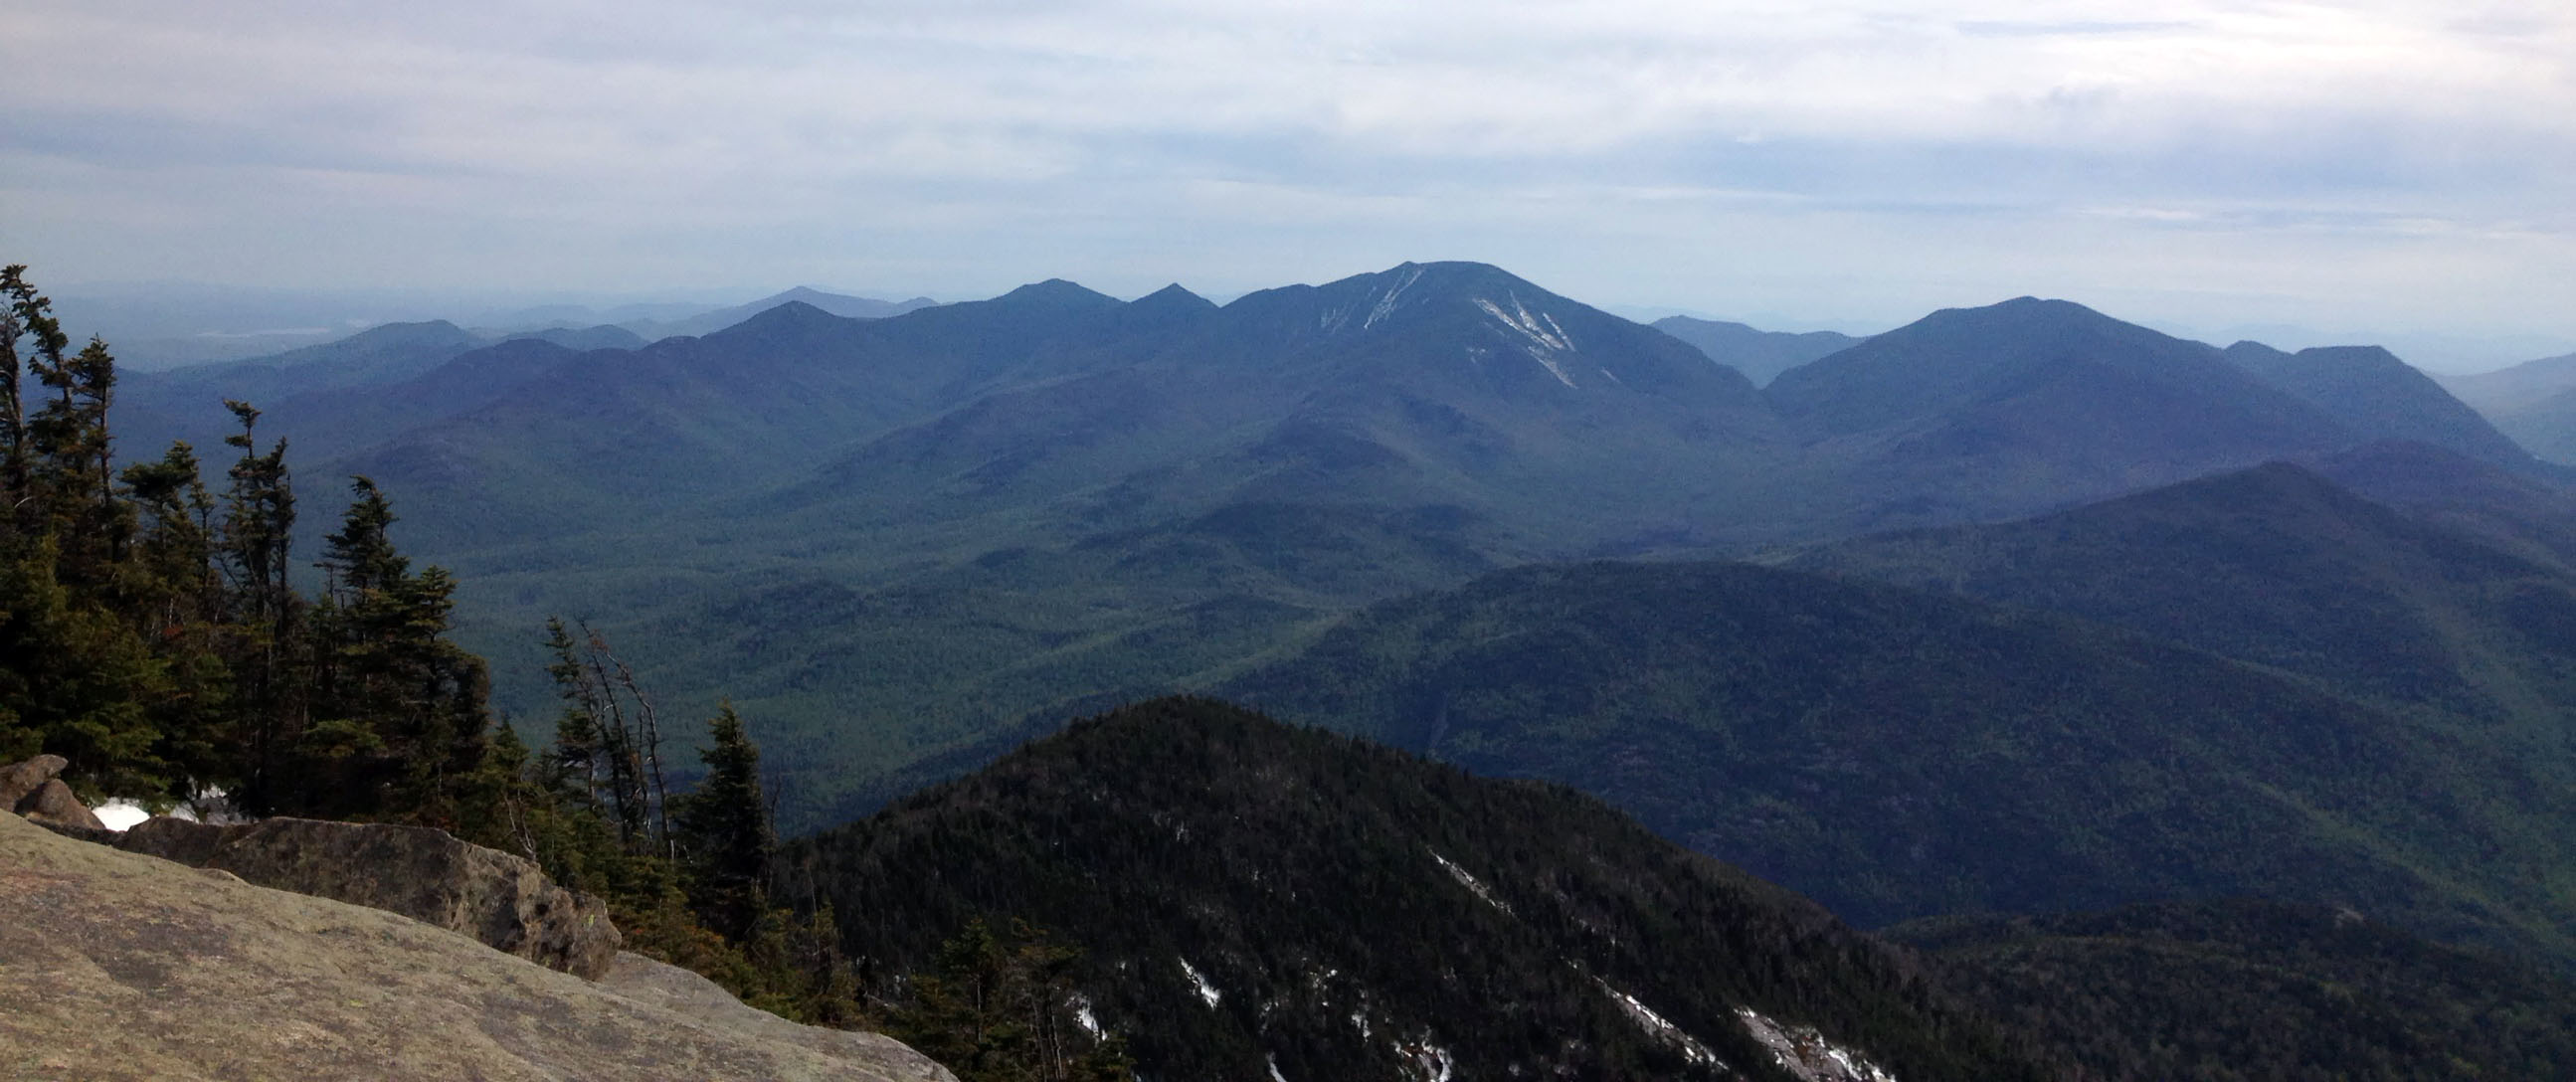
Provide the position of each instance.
(2019, 406)
(2219, 992)
(2379, 397)
(1259, 901)
(2279, 566)
(1896, 754)
(1760, 355)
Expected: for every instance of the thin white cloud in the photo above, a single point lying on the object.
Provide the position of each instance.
(639, 143)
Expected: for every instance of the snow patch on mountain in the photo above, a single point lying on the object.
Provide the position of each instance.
(1430, 1062)
(1546, 338)
(1473, 885)
(1207, 992)
(1806, 1054)
(1658, 1027)
(1386, 304)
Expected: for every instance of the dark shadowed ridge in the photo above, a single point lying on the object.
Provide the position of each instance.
(1896, 753)
(1257, 900)
(2177, 992)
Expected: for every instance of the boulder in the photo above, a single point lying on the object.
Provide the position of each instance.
(20, 780)
(121, 968)
(425, 874)
(53, 802)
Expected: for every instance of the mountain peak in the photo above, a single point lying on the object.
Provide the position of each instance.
(1174, 297)
(1057, 291)
(791, 317)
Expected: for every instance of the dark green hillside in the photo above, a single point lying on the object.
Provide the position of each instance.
(2379, 397)
(1263, 901)
(2279, 566)
(2528, 516)
(2245, 990)
(1760, 355)
(1896, 754)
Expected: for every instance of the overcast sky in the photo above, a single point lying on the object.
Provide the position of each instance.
(2385, 164)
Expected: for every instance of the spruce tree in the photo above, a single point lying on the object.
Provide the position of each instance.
(723, 831)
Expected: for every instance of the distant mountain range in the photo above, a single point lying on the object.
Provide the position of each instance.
(982, 517)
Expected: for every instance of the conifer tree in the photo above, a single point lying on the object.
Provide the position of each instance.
(263, 645)
(24, 314)
(398, 728)
(723, 829)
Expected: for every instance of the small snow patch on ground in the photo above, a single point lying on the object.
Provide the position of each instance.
(1275, 1076)
(1432, 1061)
(1082, 1016)
(120, 814)
(1207, 992)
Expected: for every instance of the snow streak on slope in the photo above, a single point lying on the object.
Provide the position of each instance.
(1386, 304)
(1658, 1027)
(1207, 992)
(1803, 1052)
(1470, 882)
(1545, 337)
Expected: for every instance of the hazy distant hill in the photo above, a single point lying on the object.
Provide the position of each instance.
(1760, 355)
(1894, 753)
(721, 318)
(2507, 390)
(1257, 900)
(2546, 427)
(584, 338)
(2379, 397)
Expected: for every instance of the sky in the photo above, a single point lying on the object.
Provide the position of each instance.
(2394, 167)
